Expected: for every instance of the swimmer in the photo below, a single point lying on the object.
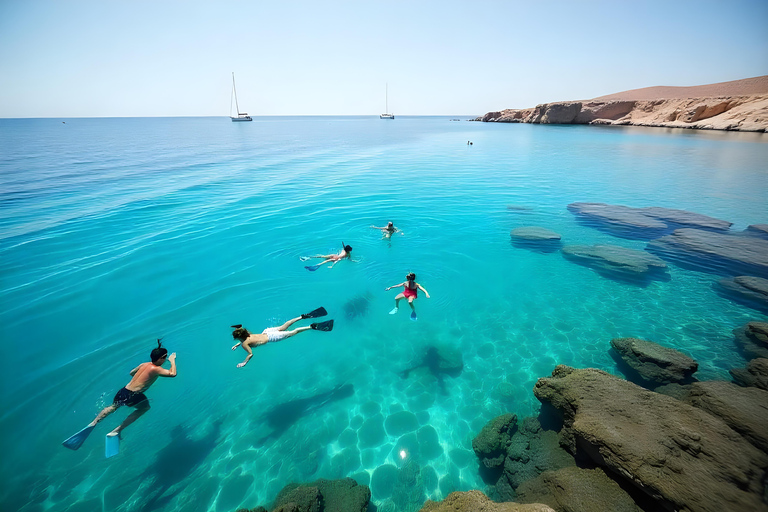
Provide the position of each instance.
(409, 292)
(329, 258)
(273, 334)
(388, 230)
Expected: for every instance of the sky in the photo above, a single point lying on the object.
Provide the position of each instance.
(119, 58)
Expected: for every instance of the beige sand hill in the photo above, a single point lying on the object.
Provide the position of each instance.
(739, 105)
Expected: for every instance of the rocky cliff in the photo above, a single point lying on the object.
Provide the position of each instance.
(741, 105)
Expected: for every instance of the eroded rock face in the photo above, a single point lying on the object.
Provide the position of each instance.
(476, 501)
(577, 490)
(754, 375)
(747, 290)
(714, 252)
(491, 443)
(745, 410)
(616, 262)
(752, 339)
(679, 455)
(653, 363)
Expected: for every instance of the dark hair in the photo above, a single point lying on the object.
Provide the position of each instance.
(158, 353)
(411, 277)
(348, 248)
(240, 333)
(390, 223)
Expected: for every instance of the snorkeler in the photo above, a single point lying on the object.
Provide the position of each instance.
(410, 292)
(272, 334)
(131, 395)
(388, 230)
(334, 258)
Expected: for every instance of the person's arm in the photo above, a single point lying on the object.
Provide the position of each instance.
(248, 357)
(133, 372)
(169, 373)
(236, 345)
(377, 227)
(423, 289)
(393, 286)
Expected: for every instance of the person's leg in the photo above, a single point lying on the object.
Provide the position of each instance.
(141, 408)
(103, 414)
(410, 303)
(296, 331)
(289, 323)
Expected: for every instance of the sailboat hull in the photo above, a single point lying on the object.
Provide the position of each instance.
(236, 119)
(387, 116)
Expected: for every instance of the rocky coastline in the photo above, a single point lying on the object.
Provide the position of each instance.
(703, 108)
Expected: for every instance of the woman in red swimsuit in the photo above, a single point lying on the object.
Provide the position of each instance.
(410, 292)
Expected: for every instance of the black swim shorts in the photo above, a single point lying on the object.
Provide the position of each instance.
(129, 398)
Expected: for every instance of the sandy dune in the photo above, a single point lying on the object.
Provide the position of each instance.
(745, 87)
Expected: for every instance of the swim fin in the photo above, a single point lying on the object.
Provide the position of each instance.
(323, 326)
(112, 446)
(316, 313)
(413, 316)
(394, 310)
(312, 268)
(77, 440)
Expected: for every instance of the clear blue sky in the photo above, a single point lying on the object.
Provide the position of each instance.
(78, 58)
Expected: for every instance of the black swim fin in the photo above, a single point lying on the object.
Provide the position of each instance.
(323, 326)
(316, 313)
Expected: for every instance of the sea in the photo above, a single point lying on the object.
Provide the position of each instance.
(115, 232)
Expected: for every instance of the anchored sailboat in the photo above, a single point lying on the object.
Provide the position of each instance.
(241, 116)
(386, 104)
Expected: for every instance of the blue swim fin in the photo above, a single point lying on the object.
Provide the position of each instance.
(312, 268)
(77, 440)
(112, 446)
(413, 316)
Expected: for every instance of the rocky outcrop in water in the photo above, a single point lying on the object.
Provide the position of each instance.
(754, 375)
(752, 339)
(535, 238)
(343, 495)
(737, 113)
(746, 290)
(760, 230)
(616, 262)
(476, 501)
(681, 456)
(652, 363)
(714, 252)
(642, 223)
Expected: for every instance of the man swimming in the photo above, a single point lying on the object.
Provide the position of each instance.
(388, 230)
(132, 394)
(334, 258)
(273, 334)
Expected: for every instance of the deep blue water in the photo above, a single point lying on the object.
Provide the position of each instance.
(115, 232)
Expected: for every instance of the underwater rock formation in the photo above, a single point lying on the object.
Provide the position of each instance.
(679, 455)
(535, 238)
(642, 223)
(759, 230)
(754, 375)
(322, 495)
(653, 363)
(752, 339)
(746, 290)
(574, 489)
(490, 445)
(357, 306)
(476, 501)
(620, 263)
(714, 252)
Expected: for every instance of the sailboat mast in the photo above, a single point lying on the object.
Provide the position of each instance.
(234, 90)
(386, 98)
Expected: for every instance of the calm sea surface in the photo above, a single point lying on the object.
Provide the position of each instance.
(115, 232)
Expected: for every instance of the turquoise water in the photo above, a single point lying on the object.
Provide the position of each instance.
(119, 231)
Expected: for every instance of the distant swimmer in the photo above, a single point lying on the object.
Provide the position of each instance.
(388, 230)
(332, 258)
(469, 143)
(410, 292)
(131, 395)
(273, 334)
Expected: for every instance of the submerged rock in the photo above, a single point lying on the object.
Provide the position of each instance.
(679, 455)
(752, 339)
(747, 290)
(760, 230)
(575, 489)
(755, 374)
(535, 238)
(714, 252)
(616, 262)
(491, 443)
(476, 501)
(654, 363)
(357, 306)
(322, 495)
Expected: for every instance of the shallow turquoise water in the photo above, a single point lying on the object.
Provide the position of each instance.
(119, 231)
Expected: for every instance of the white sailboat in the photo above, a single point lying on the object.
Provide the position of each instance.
(386, 105)
(241, 116)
